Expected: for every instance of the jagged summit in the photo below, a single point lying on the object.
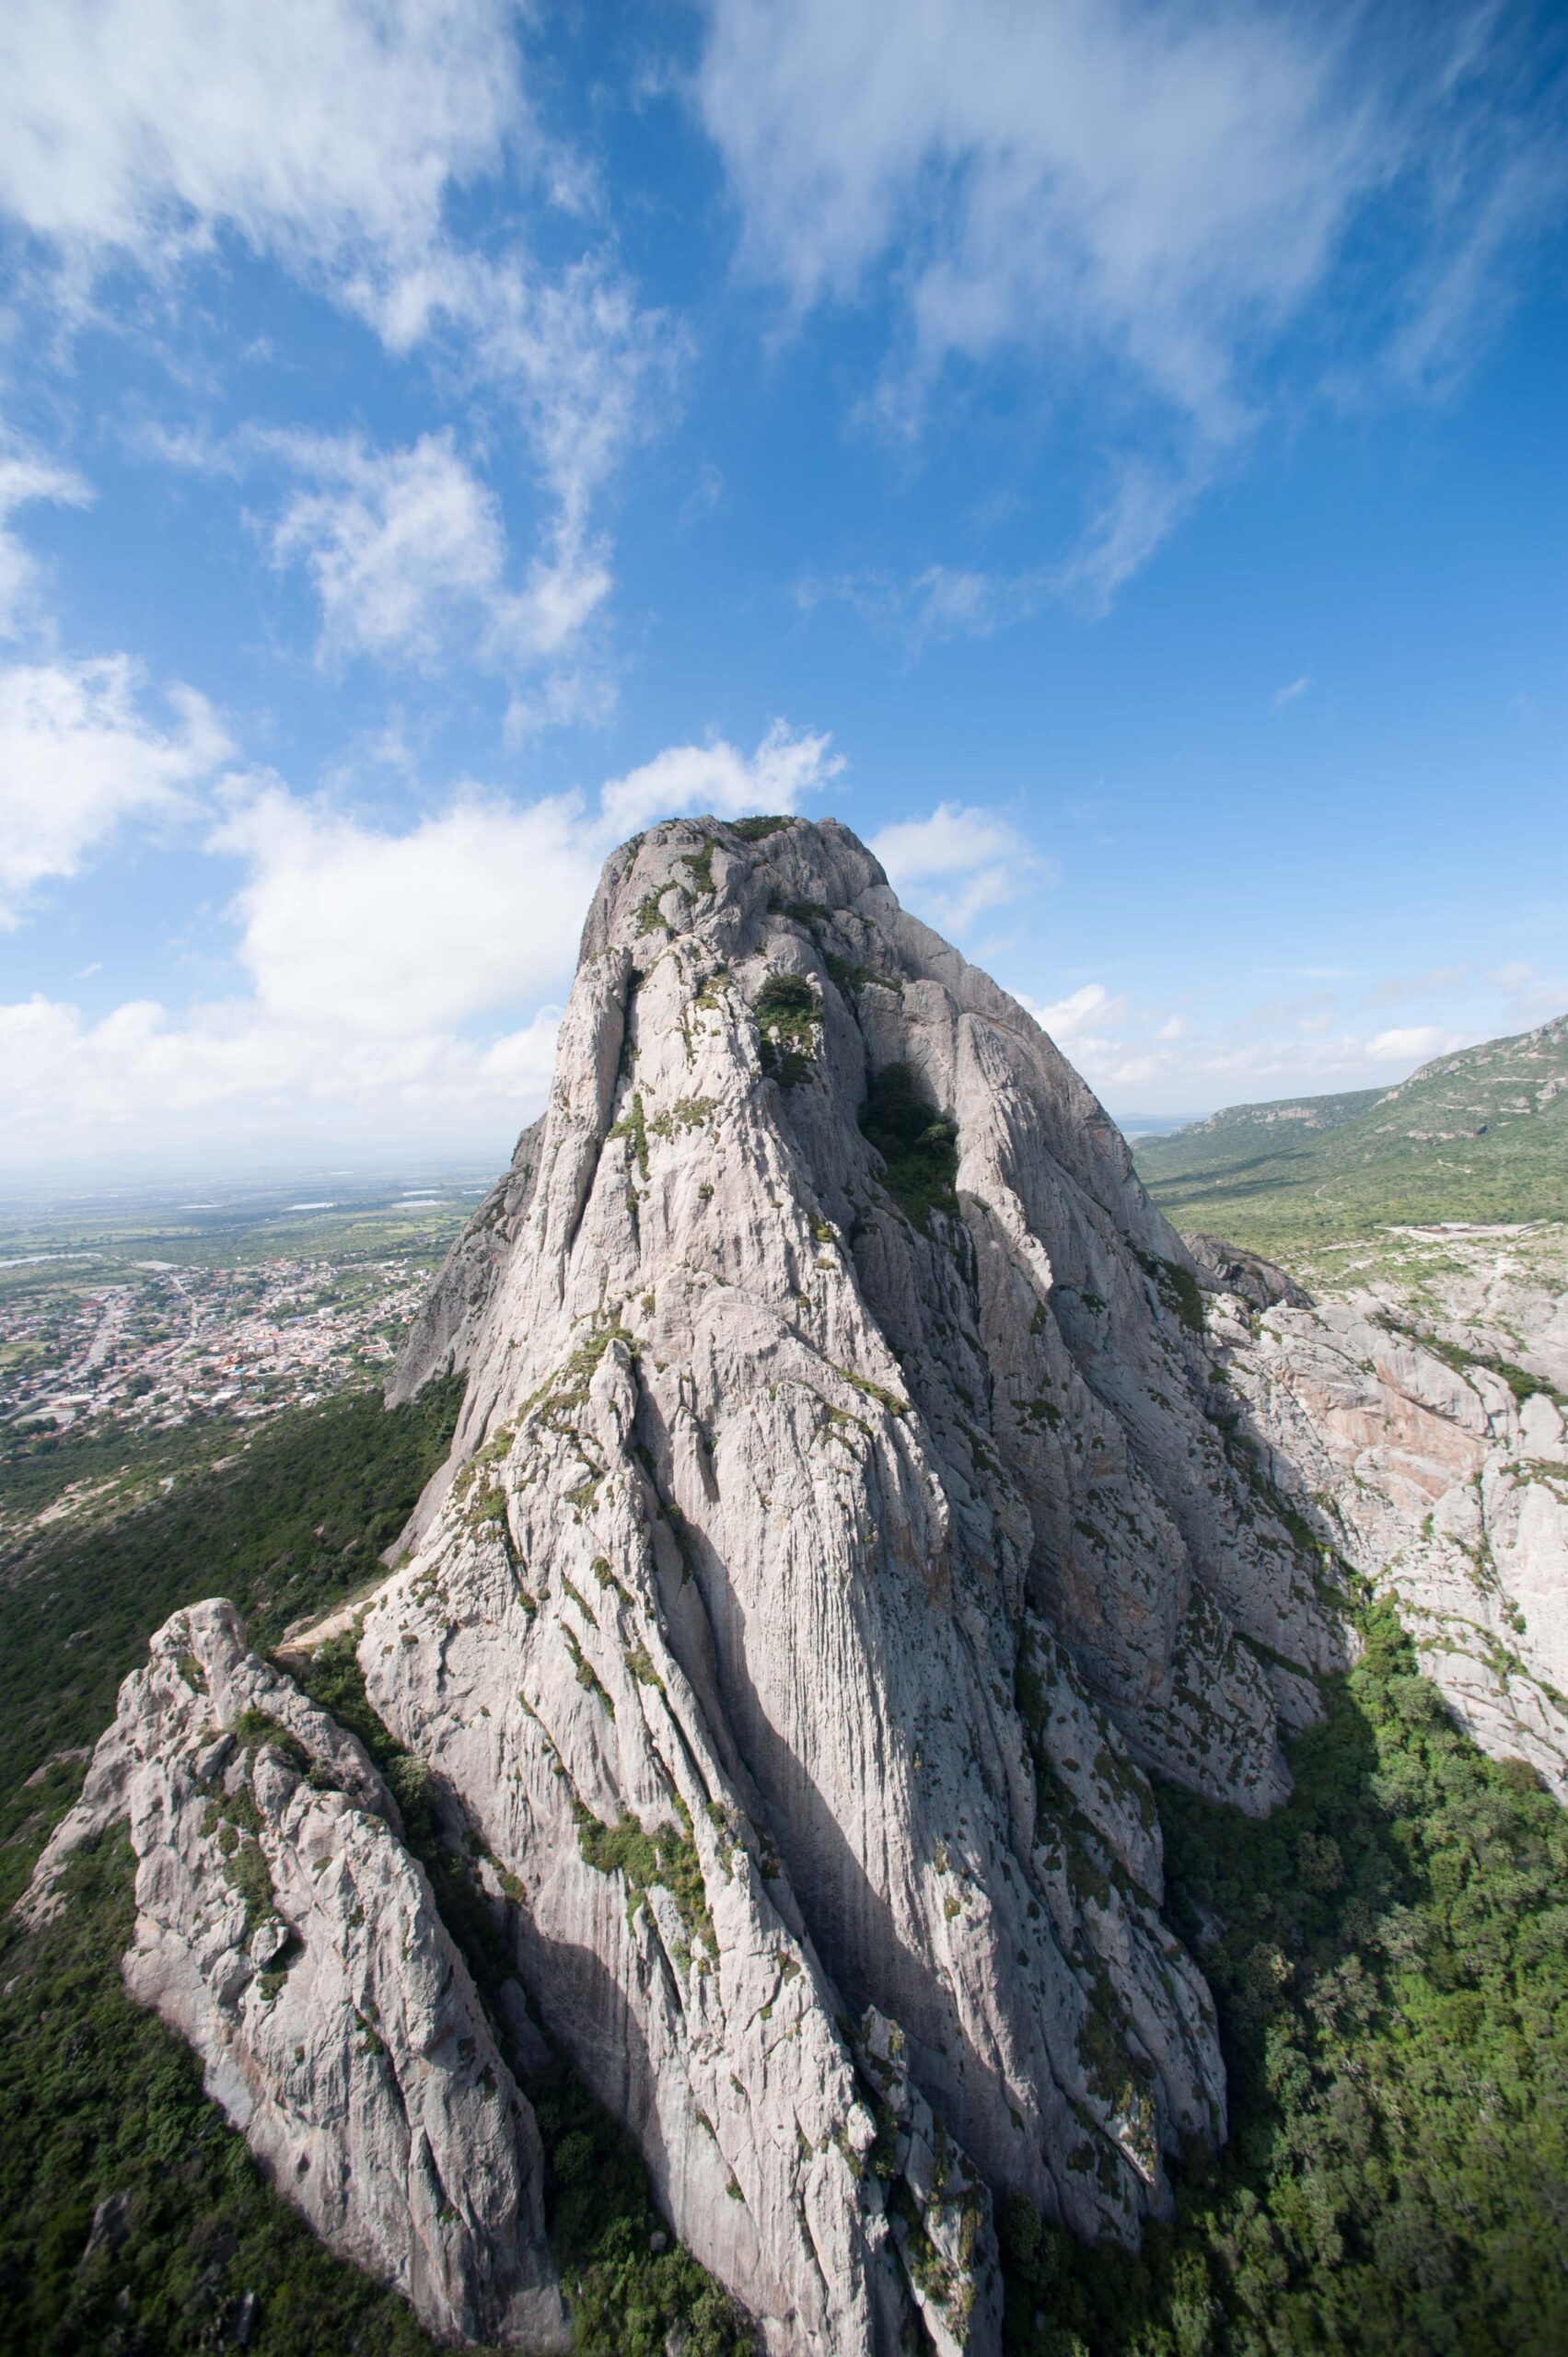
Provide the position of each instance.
(859, 1488)
(872, 1531)
(848, 1509)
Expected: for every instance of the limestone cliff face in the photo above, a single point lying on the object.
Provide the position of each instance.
(858, 1488)
(452, 1313)
(812, 1583)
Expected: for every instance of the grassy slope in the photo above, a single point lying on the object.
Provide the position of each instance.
(95, 2097)
(1474, 1136)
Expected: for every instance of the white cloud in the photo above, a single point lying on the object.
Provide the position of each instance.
(354, 929)
(1149, 196)
(1068, 1018)
(333, 136)
(217, 1081)
(79, 755)
(401, 980)
(1289, 694)
(952, 841)
(590, 373)
(407, 549)
(784, 767)
(23, 478)
(1415, 1044)
(330, 131)
(959, 863)
(395, 543)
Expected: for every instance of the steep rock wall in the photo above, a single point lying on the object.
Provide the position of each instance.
(811, 1583)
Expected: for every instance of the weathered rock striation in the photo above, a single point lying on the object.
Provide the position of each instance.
(829, 1542)
(859, 1488)
(284, 1930)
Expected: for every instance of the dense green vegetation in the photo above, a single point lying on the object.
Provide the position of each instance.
(1479, 1135)
(919, 1149)
(117, 1467)
(787, 1015)
(1389, 1954)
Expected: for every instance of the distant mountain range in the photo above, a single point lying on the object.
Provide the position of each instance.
(1482, 1135)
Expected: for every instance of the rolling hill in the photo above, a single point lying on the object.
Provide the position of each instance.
(1481, 1135)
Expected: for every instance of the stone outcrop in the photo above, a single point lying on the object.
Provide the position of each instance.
(859, 1489)
(831, 1540)
(444, 1332)
(284, 1930)
(1424, 1434)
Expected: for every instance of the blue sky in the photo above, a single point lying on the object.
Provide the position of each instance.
(1109, 455)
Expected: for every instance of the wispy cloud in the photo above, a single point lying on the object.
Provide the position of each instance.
(938, 602)
(400, 545)
(25, 476)
(958, 864)
(327, 131)
(81, 753)
(338, 139)
(1399, 989)
(1079, 1015)
(1139, 204)
(408, 554)
(1296, 689)
(1412, 1043)
(786, 766)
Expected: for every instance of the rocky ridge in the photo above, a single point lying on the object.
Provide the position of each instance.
(864, 1553)
(1422, 1429)
(859, 1489)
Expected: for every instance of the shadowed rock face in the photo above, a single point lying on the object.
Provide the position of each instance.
(872, 1555)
